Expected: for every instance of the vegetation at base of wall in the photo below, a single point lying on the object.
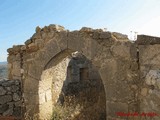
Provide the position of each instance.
(27, 116)
(65, 112)
(79, 108)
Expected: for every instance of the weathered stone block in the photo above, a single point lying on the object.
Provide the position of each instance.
(51, 49)
(147, 40)
(75, 41)
(8, 112)
(123, 49)
(16, 68)
(5, 99)
(2, 91)
(16, 97)
(18, 103)
(38, 29)
(17, 111)
(105, 35)
(3, 108)
(86, 29)
(31, 85)
(149, 55)
(29, 41)
(62, 40)
(55, 27)
(14, 88)
(42, 98)
(144, 91)
(32, 48)
(31, 98)
(8, 83)
(120, 36)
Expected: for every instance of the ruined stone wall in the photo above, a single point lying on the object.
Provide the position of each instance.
(15, 62)
(10, 98)
(129, 70)
(149, 67)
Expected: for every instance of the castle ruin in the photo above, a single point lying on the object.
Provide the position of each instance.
(103, 71)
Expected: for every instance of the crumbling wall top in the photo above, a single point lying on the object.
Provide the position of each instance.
(15, 49)
(147, 40)
(43, 35)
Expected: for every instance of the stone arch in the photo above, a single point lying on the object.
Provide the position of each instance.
(111, 53)
(72, 90)
(62, 41)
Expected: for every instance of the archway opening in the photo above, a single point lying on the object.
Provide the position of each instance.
(73, 88)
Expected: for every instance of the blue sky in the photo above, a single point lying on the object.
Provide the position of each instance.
(19, 18)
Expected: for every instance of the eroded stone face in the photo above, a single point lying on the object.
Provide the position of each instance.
(149, 75)
(153, 78)
(151, 93)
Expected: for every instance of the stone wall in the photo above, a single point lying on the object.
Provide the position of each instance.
(149, 66)
(129, 70)
(10, 98)
(15, 63)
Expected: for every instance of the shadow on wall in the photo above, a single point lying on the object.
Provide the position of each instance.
(77, 89)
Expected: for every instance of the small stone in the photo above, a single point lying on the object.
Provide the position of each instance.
(8, 112)
(14, 88)
(56, 27)
(16, 97)
(5, 99)
(134, 87)
(2, 91)
(23, 47)
(18, 103)
(9, 93)
(151, 77)
(8, 83)
(17, 48)
(144, 91)
(17, 111)
(28, 42)
(38, 29)
(105, 35)
(86, 29)
(17, 82)
(3, 108)
(11, 104)
(8, 89)
(10, 50)
(120, 36)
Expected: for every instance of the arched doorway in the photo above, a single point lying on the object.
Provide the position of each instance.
(112, 53)
(72, 89)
